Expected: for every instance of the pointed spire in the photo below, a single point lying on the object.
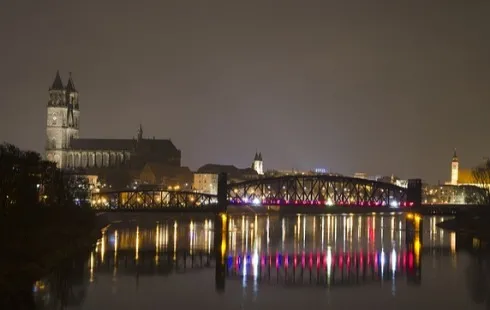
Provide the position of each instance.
(140, 132)
(260, 156)
(57, 83)
(70, 86)
(455, 156)
(256, 157)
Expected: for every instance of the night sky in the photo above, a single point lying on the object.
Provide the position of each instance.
(374, 86)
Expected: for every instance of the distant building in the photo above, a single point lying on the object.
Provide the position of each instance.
(69, 151)
(461, 176)
(166, 176)
(450, 194)
(234, 174)
(360, 175)
(279, 173)
(205, 183)
(258, 164)
(316, 171)
(392, 179)
(320, 171)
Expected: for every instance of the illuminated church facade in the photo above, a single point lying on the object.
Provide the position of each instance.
(460, 176)
(65, 147)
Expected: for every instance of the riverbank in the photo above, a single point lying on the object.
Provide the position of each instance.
(34, 243)
(474, 224)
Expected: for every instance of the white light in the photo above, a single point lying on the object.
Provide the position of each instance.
(394, 204)
(382, 261)
(245, 199)
(393, 261)
(255, 259)
(329, 202)
(256, 201)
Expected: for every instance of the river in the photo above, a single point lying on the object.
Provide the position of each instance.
(375, 261)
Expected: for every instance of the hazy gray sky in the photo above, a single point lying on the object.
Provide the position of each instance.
(376, 86)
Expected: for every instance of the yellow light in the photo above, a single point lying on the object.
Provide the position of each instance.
(453, 242)
(92, 263)
(417, 246)
(223, 247)
(409, 216)
(416, 249)
(102, 247)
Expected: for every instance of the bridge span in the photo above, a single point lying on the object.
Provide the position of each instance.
(319, 190)
(314, 193)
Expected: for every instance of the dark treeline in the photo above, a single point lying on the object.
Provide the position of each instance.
(42, 223)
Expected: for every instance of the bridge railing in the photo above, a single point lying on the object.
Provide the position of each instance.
(282, 191)
(158, 199)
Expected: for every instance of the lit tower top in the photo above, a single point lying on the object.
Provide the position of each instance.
(258, 164)
(454, 169)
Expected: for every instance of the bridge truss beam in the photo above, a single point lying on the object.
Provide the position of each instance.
(317, 190)
(151, 199)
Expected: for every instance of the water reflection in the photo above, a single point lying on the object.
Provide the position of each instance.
(333, 252)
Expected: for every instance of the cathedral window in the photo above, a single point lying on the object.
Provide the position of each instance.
(53, 144)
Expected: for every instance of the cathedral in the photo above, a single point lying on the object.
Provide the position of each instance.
(65, 147)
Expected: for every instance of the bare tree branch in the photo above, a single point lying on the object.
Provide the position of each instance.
(481, 176)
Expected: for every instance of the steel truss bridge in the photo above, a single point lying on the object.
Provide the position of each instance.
(317, 190)
(140, 200)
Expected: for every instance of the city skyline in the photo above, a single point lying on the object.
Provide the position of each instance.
(310, 87)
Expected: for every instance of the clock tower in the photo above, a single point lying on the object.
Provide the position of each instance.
(63, 116)
(454, 169)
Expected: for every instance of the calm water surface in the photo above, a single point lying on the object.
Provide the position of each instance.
(331, 261)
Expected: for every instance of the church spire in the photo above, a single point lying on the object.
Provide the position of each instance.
(57, 83)
(455, 156)
(257, 164)
(140, 132)
(70, 86)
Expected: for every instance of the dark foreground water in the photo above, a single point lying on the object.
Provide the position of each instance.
(383, 261)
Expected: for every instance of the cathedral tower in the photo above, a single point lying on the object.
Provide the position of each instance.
(258, 164)
(63, 116)
(454, 169)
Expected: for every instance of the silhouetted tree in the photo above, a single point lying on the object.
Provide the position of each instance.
(481, 176)
(79, 188)
(40, 225)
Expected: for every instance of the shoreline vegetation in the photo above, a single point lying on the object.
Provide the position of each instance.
(44, 221)
(475, 224)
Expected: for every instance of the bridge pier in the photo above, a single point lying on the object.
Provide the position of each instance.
(222, 193)
(221, 233)
(220, 250)
(414, 193)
